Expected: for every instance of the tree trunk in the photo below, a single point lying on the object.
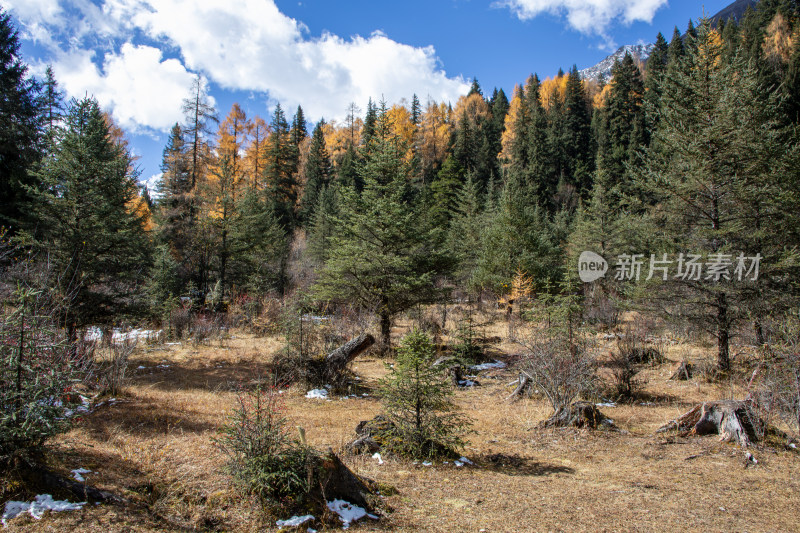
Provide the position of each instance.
(579, 414)
(723, 335)
(339, 482)
(386, 331)
(759, 330)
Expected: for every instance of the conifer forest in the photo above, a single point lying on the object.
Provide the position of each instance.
(571, 306)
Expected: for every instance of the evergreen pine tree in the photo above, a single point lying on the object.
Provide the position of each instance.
(173, 206)
(577, 136)
(656, 69)
(718, 169)
(51, 105)
(89, 223)
(382, 255)
(20, 141)
(416, 397)
(280, 171)
(318, 171)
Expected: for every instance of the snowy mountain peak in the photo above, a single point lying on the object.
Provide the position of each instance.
(639, 52)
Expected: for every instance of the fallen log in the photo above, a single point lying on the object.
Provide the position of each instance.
(734, 421)
(338, 359)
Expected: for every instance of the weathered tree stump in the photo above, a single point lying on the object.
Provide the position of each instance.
(580, 415)
(523, 389)
(369, 433)
(684, 372)
(734, 421)
(336, 481)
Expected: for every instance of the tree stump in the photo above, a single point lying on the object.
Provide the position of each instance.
(580, 415)
(734, 421)
(336, 481)
(369, 433)
(684, 372)
(524, 386)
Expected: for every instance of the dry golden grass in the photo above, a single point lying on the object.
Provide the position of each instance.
(155, 448)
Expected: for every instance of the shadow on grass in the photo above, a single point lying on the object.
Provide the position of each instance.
(211, 376)
(515, 465)
(143, 418)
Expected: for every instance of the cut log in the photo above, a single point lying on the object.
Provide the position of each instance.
(580, 415)
(684, 372)
(734, 421)
(341, 356)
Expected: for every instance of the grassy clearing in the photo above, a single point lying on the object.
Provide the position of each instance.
(154, 447)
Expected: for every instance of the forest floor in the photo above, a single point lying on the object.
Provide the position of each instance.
(154, 446)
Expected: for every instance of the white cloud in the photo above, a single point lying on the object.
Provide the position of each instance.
(244, 45)
(588, 16)
(251, 45)
(34, 11)
(137, 86)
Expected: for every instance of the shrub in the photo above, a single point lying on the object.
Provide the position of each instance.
(776, 384)
(263, 458)
(38, 367)
(416, 396)
(111, 369)
(558, 359)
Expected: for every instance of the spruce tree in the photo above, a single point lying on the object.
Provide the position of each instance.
(174, 204)
(424, 423)
(51, 105)
(517, 234)
(88, 221)
(258, 245)
(576, 135)
(280, 171)
(720, 168)
(382, 255)
(656, 69)
(465, 234)
(20, 140)
(318, 171)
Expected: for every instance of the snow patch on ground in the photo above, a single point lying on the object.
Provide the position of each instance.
(294, 521)
(488, 366)
(78, 474)
(606, 404)
(348, 513)
(319, 394)
(118, 336)
(377, 456)
(37, 508)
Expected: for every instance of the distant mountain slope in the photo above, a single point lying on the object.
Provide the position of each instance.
(734, 11)
(641, 52)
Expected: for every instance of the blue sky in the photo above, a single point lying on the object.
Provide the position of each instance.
(138, 57)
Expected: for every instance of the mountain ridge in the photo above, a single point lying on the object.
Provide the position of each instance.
(640, 52)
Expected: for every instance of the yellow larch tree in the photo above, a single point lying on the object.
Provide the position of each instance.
(553, 91)
(255, 153)
(515, 109)
(436, 129)
(401, 126)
